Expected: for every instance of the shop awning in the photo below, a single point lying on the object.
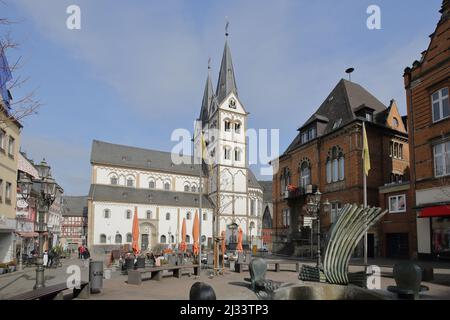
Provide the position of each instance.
(28, 234)
(434, 211)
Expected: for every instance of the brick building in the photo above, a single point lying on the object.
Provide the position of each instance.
(327, 154)
(427, 95)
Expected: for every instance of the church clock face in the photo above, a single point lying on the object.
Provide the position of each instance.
(232, 104)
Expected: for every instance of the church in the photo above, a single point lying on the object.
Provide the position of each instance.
(127, 179)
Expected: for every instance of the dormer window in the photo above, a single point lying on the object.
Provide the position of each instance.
(337, 123)
(369, 117)
(308, 135)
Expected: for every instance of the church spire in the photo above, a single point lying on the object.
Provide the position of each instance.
(208, 97)
(227, 82)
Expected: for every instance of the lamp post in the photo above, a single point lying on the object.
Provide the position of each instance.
(313, 209)
(45, 187)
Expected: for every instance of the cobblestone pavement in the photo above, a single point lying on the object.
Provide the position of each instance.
(22, 281)
(228, 286)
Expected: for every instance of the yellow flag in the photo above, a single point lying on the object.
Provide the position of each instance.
(365, 154)
(204, 149)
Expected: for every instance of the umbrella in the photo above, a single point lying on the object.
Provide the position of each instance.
(183, 236)
(195, 234)
(223, 247)
(239, 245)
(135, 232)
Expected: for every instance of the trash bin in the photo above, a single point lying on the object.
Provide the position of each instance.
(96, 276)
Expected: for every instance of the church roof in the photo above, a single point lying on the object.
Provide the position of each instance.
(267, 190)
(226, 82)
(138, 158)
(207, 101)
(74, 206)
(121, 194)
(252, 181)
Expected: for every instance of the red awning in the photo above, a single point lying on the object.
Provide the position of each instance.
(435, 211)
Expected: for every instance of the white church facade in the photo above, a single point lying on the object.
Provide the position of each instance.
(125, 179)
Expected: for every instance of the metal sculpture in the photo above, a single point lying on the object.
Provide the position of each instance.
(351, 226)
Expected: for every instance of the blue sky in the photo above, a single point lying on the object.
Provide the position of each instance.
(136, 69)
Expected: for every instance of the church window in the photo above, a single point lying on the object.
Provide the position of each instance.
(227, 152)
(102, 238)
(167, 186)
(128, 214)
(129, 237)
(130, 182)
(237, 127)
(186, 188)
(227, 125)
(151, 184)
(194, 188)
(168, 216)
(114, 180)
(237, 154)
(149, 214)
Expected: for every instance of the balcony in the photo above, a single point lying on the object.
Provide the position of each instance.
(293, 192)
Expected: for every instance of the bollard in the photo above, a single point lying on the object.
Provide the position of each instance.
(96, 276)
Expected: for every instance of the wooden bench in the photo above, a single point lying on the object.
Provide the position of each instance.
(136, 276)
(54, 292)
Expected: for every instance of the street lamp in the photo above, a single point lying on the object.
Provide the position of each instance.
(45, 187)
(313, 209)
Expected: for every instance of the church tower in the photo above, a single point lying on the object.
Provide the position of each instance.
(224, 122)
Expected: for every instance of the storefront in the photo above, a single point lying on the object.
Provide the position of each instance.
(437, 219)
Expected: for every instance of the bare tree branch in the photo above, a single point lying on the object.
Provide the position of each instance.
(22, 106)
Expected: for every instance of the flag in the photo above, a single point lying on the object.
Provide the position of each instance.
(204, 148)
(365, 154)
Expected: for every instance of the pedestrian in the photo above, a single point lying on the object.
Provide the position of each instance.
(202, 291)
(80, 251)
(86, 253)
(51, 255)
(45, 258)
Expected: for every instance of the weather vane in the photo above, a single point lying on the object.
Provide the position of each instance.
(226, 26)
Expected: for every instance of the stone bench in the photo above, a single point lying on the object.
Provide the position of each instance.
(239, 267)
(155, 273)
(54, 292)
(278, 264)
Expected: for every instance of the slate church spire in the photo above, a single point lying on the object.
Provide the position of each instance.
(208, 97)
(227, 82)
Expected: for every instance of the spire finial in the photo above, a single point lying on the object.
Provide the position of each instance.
(209, 63)
(226, 26)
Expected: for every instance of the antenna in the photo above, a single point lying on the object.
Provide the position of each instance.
(226, 26)
(349, 72)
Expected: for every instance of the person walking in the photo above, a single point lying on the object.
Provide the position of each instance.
(80, 250)
(45, 258)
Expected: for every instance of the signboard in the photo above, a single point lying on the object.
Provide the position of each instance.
(21, 203)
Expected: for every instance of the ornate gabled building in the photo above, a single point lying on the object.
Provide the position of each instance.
(327, 155)
(163, 191)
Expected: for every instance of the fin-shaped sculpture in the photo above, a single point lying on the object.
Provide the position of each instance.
(351, 226)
